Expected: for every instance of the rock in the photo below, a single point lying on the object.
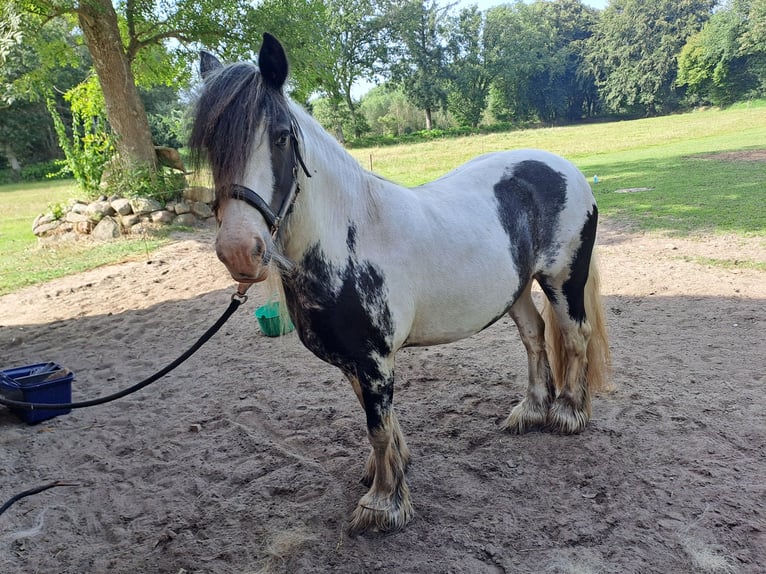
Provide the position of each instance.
(201, 194)
(46, 228)
(185, 219)
(201, 210)
(42, 219)
(84, 227)
(138, 228)
(98, 209)
(107, 229)
(130, 220)
(143, 205)
(122, 206)
(163, 216)
(182, 207)
(78, 207)
(75, 217)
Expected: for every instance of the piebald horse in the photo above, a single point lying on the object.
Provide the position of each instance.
(368, 267)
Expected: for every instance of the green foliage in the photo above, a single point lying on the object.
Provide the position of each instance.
(33, 172)
(537, 52)
(332, 44)
(127, 180)
(420, 67)
(717, 65)
(167, 116)
(57, 210)
(634, 47)
(88, 147)
(35, 63)
(469, 75)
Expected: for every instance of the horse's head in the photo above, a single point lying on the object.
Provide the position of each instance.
(246, 132)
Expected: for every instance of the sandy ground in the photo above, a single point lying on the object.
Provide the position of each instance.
(248, 457)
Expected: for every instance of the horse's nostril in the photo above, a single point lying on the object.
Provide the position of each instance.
(258, 249)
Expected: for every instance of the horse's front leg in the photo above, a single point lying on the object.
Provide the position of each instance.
(387, 505)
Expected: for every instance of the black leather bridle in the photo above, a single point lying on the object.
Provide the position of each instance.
(275, 219)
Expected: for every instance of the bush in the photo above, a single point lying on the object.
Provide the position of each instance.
(129, 181)
(33, 172)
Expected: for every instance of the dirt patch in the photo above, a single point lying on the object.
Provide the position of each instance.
(743, 155)
(248, 457)
(633, 189)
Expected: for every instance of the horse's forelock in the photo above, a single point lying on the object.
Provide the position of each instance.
(229, 111)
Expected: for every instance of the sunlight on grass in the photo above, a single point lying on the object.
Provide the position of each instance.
(37, 264)
(24, 262)
(662, 154)
(689, 192)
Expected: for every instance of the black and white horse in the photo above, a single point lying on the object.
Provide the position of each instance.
(368, 267)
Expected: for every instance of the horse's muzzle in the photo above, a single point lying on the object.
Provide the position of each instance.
(247, 261)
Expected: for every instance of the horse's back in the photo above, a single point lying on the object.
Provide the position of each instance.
(539, 169)
(480, 233)
(539, 198)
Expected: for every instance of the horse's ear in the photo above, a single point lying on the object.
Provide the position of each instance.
(208, 64)
(272, 62)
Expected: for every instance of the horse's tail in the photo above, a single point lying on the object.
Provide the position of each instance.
(599, 359)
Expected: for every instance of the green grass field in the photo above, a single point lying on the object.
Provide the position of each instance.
(23, 262)
(688, 194)
(688, 191)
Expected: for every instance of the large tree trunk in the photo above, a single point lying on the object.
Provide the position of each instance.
(124, 107)
(429, 123)
(13, 161)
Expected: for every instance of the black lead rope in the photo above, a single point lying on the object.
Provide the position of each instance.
(14, 499)
(236, 300)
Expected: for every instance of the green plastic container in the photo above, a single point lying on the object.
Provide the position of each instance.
(270, 322)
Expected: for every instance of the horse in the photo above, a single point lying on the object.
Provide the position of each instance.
(367, 266)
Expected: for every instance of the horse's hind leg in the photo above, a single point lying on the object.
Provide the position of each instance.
(568, 332)
(387, 505)
(532, 412)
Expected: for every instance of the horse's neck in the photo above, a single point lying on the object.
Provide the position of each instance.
(338, 193)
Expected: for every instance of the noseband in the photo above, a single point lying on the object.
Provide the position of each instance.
(275, 220)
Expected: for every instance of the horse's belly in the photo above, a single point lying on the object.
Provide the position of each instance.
(444, 316)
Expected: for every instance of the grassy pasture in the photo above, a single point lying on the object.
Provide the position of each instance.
(23, 262)
(689, 192)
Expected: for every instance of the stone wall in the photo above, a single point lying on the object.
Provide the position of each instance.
(111, 217)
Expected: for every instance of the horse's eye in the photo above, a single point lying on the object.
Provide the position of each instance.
(282, 140)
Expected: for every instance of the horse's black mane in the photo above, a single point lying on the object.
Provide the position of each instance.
(232, 105)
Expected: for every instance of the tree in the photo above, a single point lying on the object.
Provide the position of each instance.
(36, 64)
(572, 87)
(711, 65)
(753, 40)
(469, 75)
(419, 63)
(518, 45)
(634, 48)
(125, 45)
(332, 44)
(112, 63)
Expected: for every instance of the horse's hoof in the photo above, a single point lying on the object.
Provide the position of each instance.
(526, 417)
(380, 515)
(564, 418)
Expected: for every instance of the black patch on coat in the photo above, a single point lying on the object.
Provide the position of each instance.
(529, 201)
(347, 326)
(351, 238)
(574, 287)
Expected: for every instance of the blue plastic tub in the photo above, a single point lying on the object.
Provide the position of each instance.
(39, 383)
